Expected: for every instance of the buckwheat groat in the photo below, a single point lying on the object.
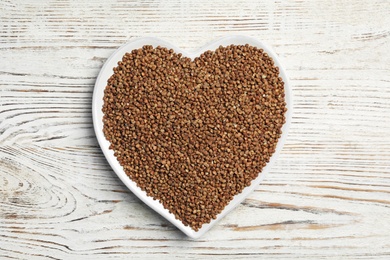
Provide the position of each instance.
(192, 134)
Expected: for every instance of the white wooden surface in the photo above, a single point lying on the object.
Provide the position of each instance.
(328, 196)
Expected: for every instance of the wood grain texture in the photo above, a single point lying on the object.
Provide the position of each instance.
(328, 196)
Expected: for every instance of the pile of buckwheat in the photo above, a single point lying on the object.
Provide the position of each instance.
(193, 134)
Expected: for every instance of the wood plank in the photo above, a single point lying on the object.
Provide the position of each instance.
(328, 195)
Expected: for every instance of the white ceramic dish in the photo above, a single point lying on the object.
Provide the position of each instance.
(97, 104)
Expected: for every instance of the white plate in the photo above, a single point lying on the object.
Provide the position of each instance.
(97, 104)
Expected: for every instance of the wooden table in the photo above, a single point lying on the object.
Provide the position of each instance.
(328, 196)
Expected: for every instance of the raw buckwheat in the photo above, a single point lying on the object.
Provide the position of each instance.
(193, 134)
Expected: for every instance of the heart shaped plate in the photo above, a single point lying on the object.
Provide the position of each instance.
(97, 104)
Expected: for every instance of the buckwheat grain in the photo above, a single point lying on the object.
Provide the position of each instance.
(193, 134)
